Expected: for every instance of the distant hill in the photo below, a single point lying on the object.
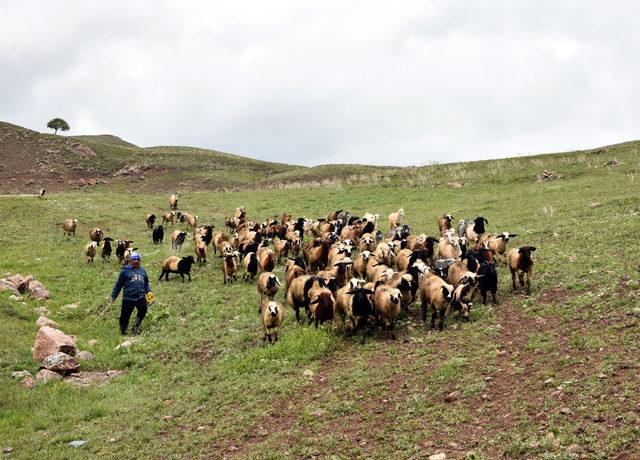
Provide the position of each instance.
(30, 160)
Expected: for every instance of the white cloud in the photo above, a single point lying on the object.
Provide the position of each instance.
(315, 82)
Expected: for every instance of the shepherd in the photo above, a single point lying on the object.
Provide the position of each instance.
(136, 293)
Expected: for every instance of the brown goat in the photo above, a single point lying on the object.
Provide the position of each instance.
(520, 261)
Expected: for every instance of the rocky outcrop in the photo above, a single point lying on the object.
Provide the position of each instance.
(61, 363)
(50, 341)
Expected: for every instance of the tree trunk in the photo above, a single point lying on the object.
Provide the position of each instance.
(56, 131)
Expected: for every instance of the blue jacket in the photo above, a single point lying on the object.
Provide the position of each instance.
(134, 282)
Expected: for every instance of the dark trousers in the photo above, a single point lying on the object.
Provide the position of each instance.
(127, 309)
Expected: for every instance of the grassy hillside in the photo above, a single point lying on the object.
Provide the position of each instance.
(553, 375)
(30, 160)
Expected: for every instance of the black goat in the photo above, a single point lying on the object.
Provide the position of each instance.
(158, 234)
(488, 280)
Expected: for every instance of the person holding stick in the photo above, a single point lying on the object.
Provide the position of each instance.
(136, 293)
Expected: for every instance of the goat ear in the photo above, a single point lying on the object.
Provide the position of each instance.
(314, 301)
(486, 221)
(512, 235)
(532, 248)
(278, 281)
(368, 291)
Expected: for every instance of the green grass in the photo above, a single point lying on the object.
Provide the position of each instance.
(201, 358)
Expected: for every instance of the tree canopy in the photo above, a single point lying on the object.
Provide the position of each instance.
(58, 124)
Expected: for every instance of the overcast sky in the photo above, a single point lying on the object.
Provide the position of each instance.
(312, 82)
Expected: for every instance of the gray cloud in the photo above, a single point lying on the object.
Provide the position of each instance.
(316, 82)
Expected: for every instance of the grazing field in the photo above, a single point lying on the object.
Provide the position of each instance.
(552, 375)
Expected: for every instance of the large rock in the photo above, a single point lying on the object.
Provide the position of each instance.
(38, 291)
(28, 382)
(44, 321)
(60, 362)
(45, 375)
(50, 341)
(6, 285)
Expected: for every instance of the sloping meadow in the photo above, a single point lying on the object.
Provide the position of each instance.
(200, 382)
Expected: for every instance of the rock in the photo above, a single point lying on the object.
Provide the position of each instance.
(21, 374)
(41, 311)
(50, 341)
(7, 450)
(60, 362)
(308, 373)
(453, 396)
(85, 379)
(12, 296)
(40, 293)
(92, 342)
(44, 321)
(78, 443)
(438, 456)
(233, 449)
(71, 306)
(565, 411)
(602, 376)
(166, 418)
(7, 286)
(124, 345)
(547, 175)
(28, 382)
(45, 375)
(85, 355)
(595, 204)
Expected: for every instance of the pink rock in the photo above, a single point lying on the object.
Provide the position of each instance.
(50, 341)
(44, 321)
(28, 382)
(45, 375)
(60, 362)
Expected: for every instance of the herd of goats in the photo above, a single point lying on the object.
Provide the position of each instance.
(347, 267)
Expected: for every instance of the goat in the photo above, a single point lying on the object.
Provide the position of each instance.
(179, 265)
(437, 294)
(520, 261)
(150, 220)
(173, 201)
(201, 251)
(158, 234)
(230, 266)
(69, 226)
(268, 285)
(177, 239)
(449, 247)
(444, 223)
(295, 268)
(282, 248)
(106, 248)
(488, 280)
(472, 229)
(95, 234)
(266, 259)
(497, 244)
(272, 318)
(386, 302)
(168, 217)
(360, 264)
(250, 264)
(395, 218)
(90, 250)
(121, 247)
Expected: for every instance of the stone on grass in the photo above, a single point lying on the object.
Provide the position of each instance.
(453, 396)
(45, 375)
(71, 306)
(12, 296)
(438, 456)
(124, 345)
(7, 450)
(85, 355)
(28, 382)
(92, 342)
(42, 311)
(60, 362)
(44, 321)
(308, 373)
(50, 341)
(20, 374)
(78, 443)
(8, 286)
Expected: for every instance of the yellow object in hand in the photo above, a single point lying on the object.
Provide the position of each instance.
(149, 297)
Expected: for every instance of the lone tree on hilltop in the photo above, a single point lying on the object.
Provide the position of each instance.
(58, 124)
